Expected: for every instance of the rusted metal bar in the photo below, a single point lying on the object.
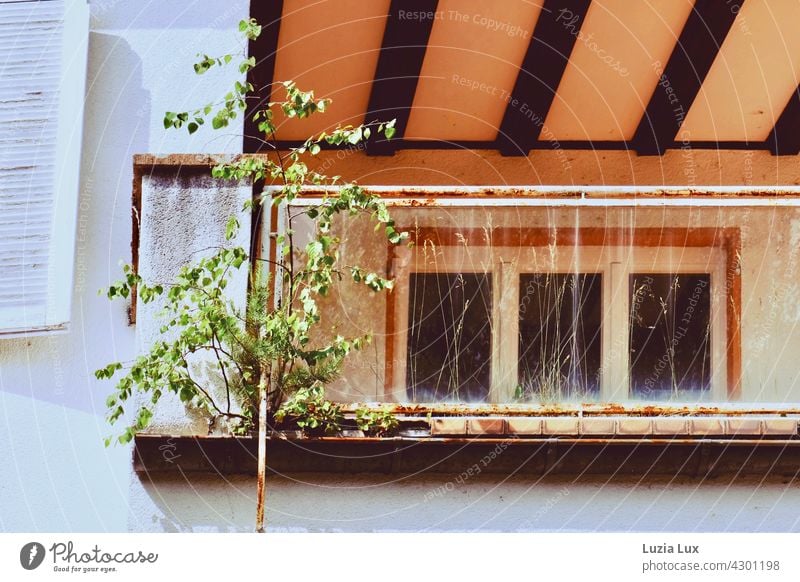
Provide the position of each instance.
(144, 164)
(434, 194)
(611, 409)
(143, 438)
(527, 440)
(262, 452)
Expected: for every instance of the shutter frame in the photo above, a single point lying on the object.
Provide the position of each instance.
(41, 168)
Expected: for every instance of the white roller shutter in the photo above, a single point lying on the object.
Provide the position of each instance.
(42, 78)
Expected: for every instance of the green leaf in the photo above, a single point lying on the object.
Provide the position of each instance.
(199, 318)
(231, 228)
(169, 119)
(126, 437)
(356, 136)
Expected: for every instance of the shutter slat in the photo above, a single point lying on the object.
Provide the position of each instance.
(30, 73)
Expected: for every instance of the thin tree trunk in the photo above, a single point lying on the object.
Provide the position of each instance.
(262, 451)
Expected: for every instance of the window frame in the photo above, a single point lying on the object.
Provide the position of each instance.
(484, 247)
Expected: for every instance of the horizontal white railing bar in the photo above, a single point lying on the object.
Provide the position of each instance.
(578, 202)
(567, 196)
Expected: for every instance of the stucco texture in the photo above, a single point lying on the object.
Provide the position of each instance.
(311, 502)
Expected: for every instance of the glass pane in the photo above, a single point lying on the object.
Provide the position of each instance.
(755, 250)
(670, 336)
(450, 337)
(560, 319)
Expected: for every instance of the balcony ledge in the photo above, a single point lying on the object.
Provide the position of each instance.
(702, 447)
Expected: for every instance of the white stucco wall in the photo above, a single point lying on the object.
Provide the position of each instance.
(183, 220)
(56, 475)
(309, 502)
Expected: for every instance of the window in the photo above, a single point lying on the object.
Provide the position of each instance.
(42, 76)
(560, 330)
(449, 337)
(670, 334)
(511, 304)
(531, 315)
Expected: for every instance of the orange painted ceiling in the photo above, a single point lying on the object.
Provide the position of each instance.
(475, 52)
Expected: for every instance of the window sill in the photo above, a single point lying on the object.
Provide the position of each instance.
(706, 447)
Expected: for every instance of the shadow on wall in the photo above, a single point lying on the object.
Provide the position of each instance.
(198, 503)
(58, 368)
(186, 14)
(309, 502)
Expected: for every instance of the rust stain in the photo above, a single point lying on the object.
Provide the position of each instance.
(586, 409)
(152, 162)
(517, 440)
(511, 439)
(417, 203)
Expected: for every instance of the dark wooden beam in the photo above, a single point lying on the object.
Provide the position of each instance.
(551, 45)
(681, 79)
(167, 457)
(265, 48)
(784, 139)
(405, 39)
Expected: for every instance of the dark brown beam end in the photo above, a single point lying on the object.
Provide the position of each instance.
(405, 40)
(554, 36)
(265, 49)
(784, 139)
(703, 34)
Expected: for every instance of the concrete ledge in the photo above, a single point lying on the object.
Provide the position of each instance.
(781, 426)
(448, 426)
(560, 426)
(750, 426)
(524, 426)
(598, 426)
(634, 426)
(486, 426)
(671, 426)
(678, 426)
(708, 426)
